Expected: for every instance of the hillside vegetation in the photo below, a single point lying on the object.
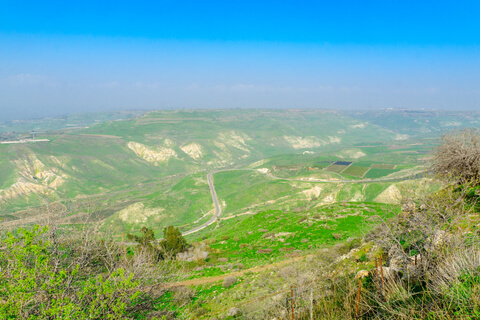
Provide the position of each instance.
(342, 260)
(135, 167)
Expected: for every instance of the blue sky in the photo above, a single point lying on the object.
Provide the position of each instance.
(70, 56)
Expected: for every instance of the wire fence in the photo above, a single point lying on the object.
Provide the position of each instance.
(285, 303)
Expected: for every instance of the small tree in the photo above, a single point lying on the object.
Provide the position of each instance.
(145, 242)
(173, 242)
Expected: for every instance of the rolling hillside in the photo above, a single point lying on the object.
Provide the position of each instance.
(156, 163)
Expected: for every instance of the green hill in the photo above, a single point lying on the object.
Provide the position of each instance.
(158, 161)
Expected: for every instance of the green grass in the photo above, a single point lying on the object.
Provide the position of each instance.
(379, 173)
(181, 203)
(7, 173)
(241, 189)
(372, 190)
(293, 230)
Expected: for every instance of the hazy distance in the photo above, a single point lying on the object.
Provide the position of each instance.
(72, 57)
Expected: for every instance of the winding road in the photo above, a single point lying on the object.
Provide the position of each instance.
(218, 209)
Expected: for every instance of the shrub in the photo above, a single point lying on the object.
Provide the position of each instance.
(301, 219)
(145, 242)
(183, 295)
(35, 285)
(337, 236)
(173, 242)
(229, 281)
(458, 156)
(200, 312)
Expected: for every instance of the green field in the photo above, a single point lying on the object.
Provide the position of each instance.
(363, 163)
(355, 170)
(383, 166)
(336, 168)
(378, 173)
(249, 240)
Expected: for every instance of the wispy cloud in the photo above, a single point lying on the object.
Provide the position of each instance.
(149, 85)
(252, 88)
(109, 85)
(28, 79)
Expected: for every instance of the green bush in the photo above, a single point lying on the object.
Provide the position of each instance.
(36, 285)
(173, 242)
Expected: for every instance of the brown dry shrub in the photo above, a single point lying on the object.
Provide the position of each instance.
(229, 281)
(337, 236)
(458, 156)
(183, 295)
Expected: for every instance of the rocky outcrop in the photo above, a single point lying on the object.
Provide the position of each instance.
(304, 142)
(193, 150)
(195, 253)
(157, 156)
(34, 177)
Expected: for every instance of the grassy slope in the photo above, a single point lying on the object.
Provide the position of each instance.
(97, 159)
(64, 122)
(296, 230)
(97, 163)
(419, 124)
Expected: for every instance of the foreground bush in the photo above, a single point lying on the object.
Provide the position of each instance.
(42, 277)
(458, 156)
(33, 286)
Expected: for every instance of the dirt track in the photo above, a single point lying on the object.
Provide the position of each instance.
(201, 281)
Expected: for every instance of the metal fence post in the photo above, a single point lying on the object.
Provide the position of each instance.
(293, 303)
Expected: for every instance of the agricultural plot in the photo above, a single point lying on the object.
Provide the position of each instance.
(356, 171)
(383, 166)
(366, 164)
(322, 164)
(378, 173)
(336, 168)
(343, 163)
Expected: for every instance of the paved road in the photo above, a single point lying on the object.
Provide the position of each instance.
(415, 175)
(218, 210)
